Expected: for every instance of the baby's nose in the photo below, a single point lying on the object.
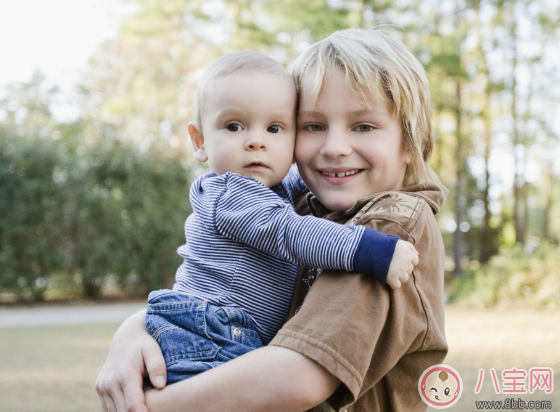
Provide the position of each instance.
(255, 143)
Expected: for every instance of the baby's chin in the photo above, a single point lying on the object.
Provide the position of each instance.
(268, 181)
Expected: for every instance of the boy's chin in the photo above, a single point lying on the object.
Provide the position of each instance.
(337, 202)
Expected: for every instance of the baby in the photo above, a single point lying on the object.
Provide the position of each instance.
(244, 239)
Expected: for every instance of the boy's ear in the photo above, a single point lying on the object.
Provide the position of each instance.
(197, 142)
(407, 158)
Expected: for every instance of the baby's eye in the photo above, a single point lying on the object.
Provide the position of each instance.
(446, 391)
(315, 128)
(274, 129)
(364, 128)
(234, 127)
(433, 389)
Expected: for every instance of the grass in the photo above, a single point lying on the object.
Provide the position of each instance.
(54, 368)
(501, 339)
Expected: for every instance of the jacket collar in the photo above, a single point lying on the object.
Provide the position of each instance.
(433, 192)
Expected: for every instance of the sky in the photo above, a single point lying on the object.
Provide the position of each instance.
(55, 36)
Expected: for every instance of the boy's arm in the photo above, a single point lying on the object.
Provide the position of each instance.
(245, 210)
(269, 378)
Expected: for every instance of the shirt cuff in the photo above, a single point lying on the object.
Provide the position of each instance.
(374, 254)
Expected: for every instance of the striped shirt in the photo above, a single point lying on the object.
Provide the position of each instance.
(245, 241)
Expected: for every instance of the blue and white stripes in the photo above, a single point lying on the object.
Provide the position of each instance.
(245, 241)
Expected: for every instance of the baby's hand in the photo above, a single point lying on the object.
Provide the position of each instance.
(404, 260)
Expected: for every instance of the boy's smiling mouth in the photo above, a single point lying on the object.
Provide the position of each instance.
(341, 174)
(338, 172)
(338, 176)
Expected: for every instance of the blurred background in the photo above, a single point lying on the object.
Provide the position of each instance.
(95, 164)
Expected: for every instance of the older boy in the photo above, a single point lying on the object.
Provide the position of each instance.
(353, 341)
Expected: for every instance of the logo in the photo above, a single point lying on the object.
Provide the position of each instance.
(519, 381)
(440, 386)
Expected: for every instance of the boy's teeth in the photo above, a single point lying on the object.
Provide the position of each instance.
(342, 174)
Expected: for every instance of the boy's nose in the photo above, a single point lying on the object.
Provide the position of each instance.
(336, 144)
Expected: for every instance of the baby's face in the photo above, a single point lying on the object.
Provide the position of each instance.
(248, 124)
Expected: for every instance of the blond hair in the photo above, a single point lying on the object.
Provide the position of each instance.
(244, 62)
(378, 68)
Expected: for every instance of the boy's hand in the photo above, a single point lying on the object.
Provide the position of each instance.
(134, 354)
(404, 260)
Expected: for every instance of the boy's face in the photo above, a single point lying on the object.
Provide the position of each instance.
(248, 126)
(347, 150)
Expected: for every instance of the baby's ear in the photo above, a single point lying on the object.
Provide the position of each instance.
(197, 142)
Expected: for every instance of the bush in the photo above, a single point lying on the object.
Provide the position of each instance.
(83, 215)
(513, 278)
(31, 224)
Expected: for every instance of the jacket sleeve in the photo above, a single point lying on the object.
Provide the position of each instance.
(371, 328)
(294, 183)
(243, 209)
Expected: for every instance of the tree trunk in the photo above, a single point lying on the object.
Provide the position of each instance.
(91, 288)
(486, 247)
(459, 200)
(548, 205)
(518, 214)
(486, 241)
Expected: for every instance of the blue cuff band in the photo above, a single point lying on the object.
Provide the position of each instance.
(374, 253)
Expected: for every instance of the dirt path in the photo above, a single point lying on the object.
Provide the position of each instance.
(501, 339)
(68, 315)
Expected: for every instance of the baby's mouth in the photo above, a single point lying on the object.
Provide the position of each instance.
(256, 165)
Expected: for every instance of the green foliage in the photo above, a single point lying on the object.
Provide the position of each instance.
(105, 195)
(30, 233)
(124, 213)
(80, 216)
(513, 278)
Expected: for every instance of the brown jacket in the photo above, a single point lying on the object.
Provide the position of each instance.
(377, 341)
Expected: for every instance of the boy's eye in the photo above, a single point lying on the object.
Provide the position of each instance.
(273, 129)
(234, 127)
(446, 391)
(364, 128)
(315, 128)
